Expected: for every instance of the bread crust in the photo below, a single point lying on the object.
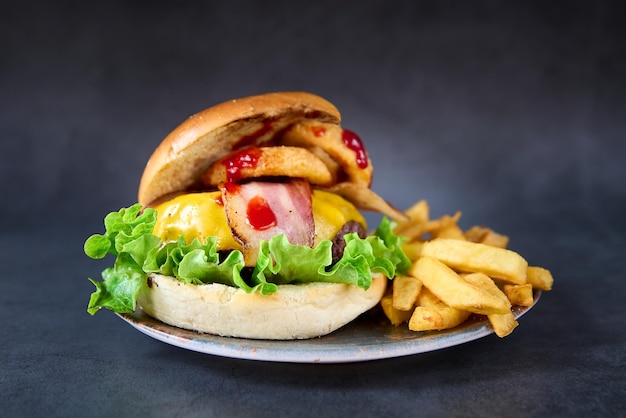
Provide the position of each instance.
(296, 311)
(187, 152)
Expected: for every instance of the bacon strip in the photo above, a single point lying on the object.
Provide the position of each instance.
(281, 207)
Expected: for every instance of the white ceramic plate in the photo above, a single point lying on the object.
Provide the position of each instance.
(370, 337)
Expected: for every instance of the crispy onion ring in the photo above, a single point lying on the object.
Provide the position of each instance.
(269, 162)
(328, 137)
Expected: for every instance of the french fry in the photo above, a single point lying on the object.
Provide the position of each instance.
(449, 230)
(395, 316)
(433, 314)
(426, 319)
(503, 324)
(442, 222)
(496, 240)
(448, 286)
(539, 277)
(468, 256)
(484, 282)
(444, 227)
(519, 294)
(487, 236)
(415, 231)
(419, 213)
(445, 224)
(476, 233)
(412, 249)
(405, 291)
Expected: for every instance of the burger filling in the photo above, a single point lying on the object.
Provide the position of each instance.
(204, 250)
(257, 223)
(202, 215)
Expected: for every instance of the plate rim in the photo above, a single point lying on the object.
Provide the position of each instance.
(315, 350)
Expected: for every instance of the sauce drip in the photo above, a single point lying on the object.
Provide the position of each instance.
(251, 139)
(260, 215)
(352, 141)
(232, 188)
(318, 131)
(246, 158)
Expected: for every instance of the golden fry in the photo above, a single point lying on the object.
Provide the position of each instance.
(476, 233)
(486, 283)
(395, 316)
(503, 324)
(450, 230)
(412, 249)
(496, 240)
(520, 294)
(443, 222)
(474, 257)
(433, 314)
(425, 319)
(487, 236)
(539, 278)
(419, 213)
(448, 286)
(405, 291)
(417, 230)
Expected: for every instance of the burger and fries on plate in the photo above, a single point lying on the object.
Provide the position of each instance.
(248, 225)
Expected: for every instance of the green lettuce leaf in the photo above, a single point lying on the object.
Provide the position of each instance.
(280, 262)
(118, 292)
(129, 238)
(391, 249)
(197, 263)
(121, 227)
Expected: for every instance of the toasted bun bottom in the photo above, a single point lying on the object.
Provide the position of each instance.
(293, 312)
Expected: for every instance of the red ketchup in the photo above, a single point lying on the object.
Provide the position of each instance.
(246, 158)
(318, 131)
(232, 188)
(260, 215)
(353, 142)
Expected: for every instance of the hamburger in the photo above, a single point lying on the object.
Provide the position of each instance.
(248, 224)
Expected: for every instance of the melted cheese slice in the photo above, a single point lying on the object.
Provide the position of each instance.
(201, 215)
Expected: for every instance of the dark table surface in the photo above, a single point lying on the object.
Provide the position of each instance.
(512, 112)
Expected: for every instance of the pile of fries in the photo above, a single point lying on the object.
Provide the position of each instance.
(456, 274)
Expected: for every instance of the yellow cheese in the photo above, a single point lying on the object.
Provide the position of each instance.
(201, 215)
(330, 213)
(195, 215)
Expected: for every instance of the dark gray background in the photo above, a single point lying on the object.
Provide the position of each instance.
(512, 112)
